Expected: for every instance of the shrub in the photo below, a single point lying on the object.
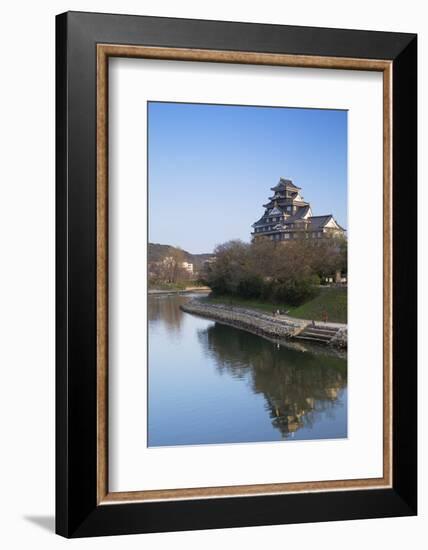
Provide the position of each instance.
(250, 286)
(267, 291)
(295, 292)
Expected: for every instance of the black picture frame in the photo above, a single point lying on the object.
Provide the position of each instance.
(77, 511)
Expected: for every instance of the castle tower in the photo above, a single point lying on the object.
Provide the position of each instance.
(288, 216)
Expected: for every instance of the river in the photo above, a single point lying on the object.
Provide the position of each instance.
(211, 383)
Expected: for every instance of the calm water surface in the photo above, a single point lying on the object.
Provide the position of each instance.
(211, 383)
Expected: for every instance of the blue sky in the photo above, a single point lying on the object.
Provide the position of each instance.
(211, 168)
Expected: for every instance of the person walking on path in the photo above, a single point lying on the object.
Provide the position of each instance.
(324, 316)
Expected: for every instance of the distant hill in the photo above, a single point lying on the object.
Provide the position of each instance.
(157, 252)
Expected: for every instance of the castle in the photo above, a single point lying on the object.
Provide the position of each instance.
(288, 216)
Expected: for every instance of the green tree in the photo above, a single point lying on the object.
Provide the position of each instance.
(230, 267)
(286, 273)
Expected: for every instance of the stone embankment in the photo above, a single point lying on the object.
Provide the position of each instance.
(273, 327)
(340, 339)
(247, 319)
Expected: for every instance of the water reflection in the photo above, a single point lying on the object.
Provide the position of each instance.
(211, 383)
(166, 308)
(297, 386)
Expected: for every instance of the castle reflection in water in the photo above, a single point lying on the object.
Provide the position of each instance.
(298, 387)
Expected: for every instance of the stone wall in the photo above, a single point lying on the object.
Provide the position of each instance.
(246, 319)
(340, 339)
(263, 324)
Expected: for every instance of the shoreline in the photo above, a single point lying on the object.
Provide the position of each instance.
(280, 328)
(188, 290)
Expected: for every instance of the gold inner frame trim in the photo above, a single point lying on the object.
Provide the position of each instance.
(104, 51)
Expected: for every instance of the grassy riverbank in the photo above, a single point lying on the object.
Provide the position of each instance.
(167, 286)
(179, 286)
(332, 300)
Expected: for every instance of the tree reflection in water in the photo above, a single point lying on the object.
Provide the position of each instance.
(212, 383)
(297, 385)
(166, 308)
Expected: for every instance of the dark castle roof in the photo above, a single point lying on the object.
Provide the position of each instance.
(284, 184)
(279, 207)
(320, 221)
(301, 213)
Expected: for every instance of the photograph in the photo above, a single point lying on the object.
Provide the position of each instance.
(247, 274)
(189, 189)
(219, 185)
